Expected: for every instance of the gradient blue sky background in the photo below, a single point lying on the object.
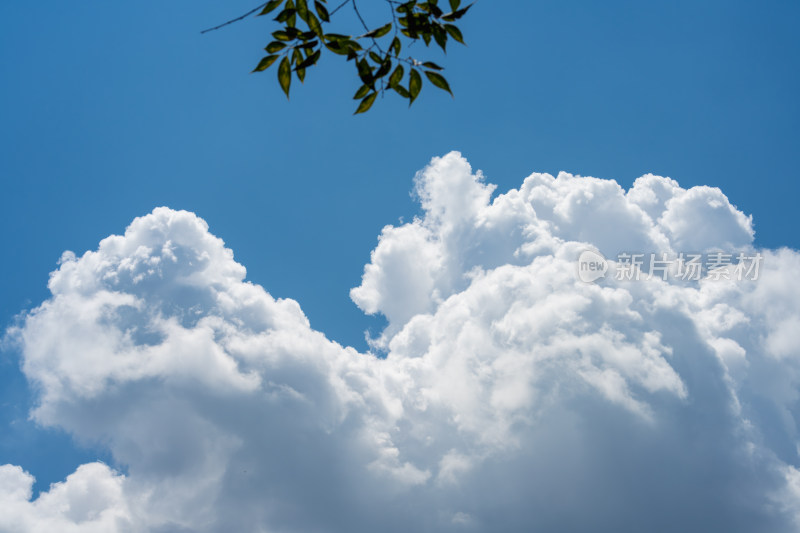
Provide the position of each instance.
(109, 109)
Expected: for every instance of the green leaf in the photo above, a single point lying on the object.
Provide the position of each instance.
(365, 72)
(384, 69)
(361, 92)
(281, 35)
(302, 9)
(454, 32)
(310, 60)
(270, 7)
(322, 11)
(432, 65)
(454, 4)
(397, 76)
(383, 30)
(401, 91)
(438, 80)
(275, 46)
(293, 33)
(440, 35)
(265, 63)
(379, 32)
(301, 74)
(291, 22)
(285, 15)
(337, 48)
(407, 7)
(285, 75)
(366, 103)
(336, 37)
(455, 15)
(414, 85)
(314, 24)
(395, 47)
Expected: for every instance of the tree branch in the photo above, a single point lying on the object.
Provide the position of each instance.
(340, 6)
(355, 8)
(237, 19)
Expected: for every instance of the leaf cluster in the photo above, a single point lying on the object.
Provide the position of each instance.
(377, 54)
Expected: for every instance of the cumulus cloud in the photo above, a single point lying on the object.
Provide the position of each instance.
(90, 500)
(505, 394)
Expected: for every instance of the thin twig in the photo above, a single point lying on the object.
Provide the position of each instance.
(237, 19)
(340, 6)
(355, 8)
(375, 42)
(395, 25)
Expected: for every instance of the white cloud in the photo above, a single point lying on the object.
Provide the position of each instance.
(702, 218)
(512, 396)
(90, 500)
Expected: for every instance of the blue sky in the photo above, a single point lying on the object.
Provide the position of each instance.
(111, 109)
